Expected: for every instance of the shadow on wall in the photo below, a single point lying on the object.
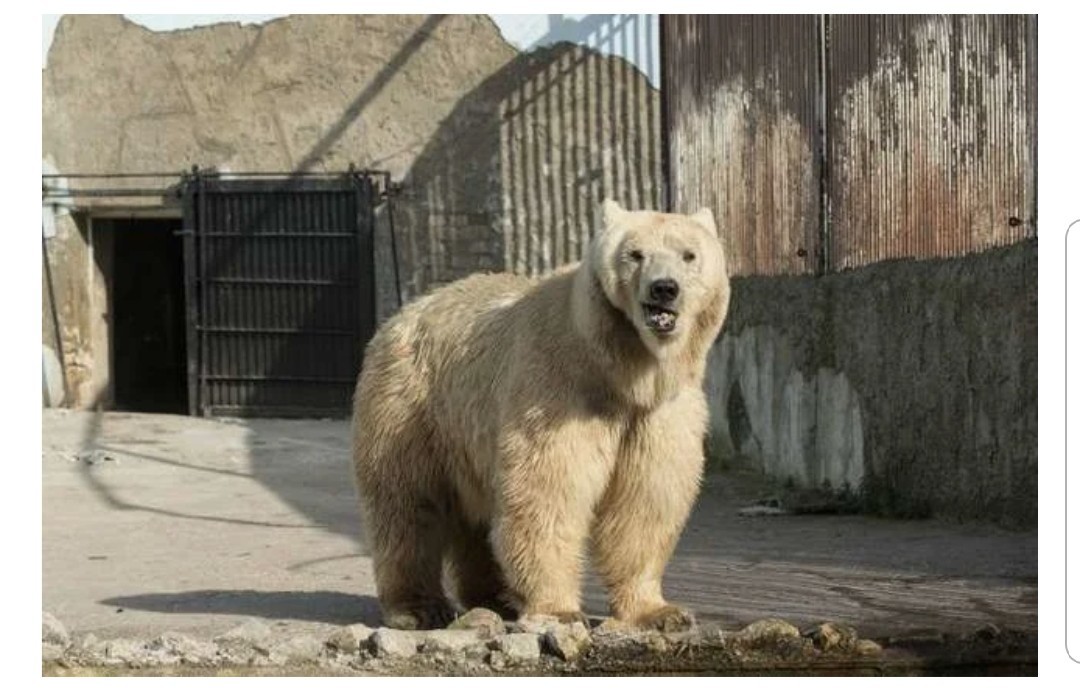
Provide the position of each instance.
(512, 179)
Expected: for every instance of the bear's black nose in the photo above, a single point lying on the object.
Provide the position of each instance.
(664, 290)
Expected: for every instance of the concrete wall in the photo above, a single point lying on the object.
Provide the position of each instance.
(915, 382)
(504, 155)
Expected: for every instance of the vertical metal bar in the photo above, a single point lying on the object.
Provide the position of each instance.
(667, 92)
(365, 284)
(190, 295)
(824, 252)
(200, 228)
(1031, 87)
(393, 237)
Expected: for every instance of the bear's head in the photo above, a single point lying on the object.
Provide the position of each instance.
(665, 272)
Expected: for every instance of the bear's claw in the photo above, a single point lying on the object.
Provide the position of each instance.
(435, 615)
(668, 619)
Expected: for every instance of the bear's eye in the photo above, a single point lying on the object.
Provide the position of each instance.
(636, 255)
(688, 256)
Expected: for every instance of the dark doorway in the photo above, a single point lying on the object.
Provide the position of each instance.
(148, 323)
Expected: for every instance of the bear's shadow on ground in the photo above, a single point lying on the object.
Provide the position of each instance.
(321, 606)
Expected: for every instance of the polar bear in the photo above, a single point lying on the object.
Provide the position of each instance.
(506, 427)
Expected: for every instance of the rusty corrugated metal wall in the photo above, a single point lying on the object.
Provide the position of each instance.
(742, 103)
(922, 129)
(932, 135)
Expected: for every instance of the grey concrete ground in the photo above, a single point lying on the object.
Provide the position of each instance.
(162, 523)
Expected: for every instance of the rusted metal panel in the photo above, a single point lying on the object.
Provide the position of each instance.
(743, 110)
(931, 135)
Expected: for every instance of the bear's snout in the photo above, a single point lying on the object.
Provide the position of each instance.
(664, 290)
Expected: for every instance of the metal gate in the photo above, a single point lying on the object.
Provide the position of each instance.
(280, 288)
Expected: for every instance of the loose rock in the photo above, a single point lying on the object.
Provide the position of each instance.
(53, 632)
(85, 645)
(534, 623)
(518, 646)
(487, 622)
(121, 651)
(51, 652)
(567, 642)
(765, 630)
(394, 643)
(451, 641)
(183, 648)
(252, 632)
(350, 639)
(297, 650)
(829, 637)
(498, 659)
(867, 648)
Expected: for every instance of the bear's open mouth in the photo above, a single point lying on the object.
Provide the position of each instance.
(660, 319)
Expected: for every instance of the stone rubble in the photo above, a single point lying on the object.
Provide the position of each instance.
(518, 646)
(350, 639)
(479, 646)
(567, 642)
(394, 643)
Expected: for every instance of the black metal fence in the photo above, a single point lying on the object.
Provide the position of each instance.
(280, 289)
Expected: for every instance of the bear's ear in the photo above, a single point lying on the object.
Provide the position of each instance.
(704, 218)
(611, 211)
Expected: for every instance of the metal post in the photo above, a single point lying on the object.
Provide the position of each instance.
(200, 227)
(191, 294)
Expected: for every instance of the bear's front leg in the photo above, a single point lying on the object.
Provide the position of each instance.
(548, 486)
(653, 487)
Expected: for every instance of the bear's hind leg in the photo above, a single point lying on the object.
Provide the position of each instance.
(408, 542)
(478, 578)
(405, 504)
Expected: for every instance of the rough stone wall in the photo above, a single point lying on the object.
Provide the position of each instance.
(69, 266)
(914, 381)
(504, 156)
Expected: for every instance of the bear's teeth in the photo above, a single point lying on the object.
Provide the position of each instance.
(660, 319)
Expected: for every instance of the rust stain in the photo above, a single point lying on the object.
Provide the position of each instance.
(744, 134)
(927, 122)
(932, 147)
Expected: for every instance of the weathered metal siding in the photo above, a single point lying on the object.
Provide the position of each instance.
(742, 104)
(929, 130)
(931, 135)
